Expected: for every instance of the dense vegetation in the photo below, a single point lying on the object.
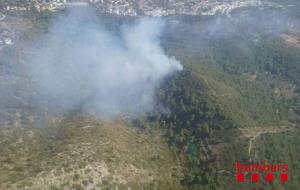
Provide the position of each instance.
(193, 123)
(232, 82)
(199, 127)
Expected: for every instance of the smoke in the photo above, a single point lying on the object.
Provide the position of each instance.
(253, 24)
(81, 65)
(219, 39)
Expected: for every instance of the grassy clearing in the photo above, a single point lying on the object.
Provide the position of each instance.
(81, 153)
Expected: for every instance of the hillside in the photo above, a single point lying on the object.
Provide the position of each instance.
(81, 153)
(234, 99)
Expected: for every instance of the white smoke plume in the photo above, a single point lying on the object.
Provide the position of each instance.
(81, 65)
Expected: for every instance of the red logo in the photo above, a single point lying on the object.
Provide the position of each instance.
(255, 178)
(240, 178)
(261, 171)
(284, 178)
(269, 178)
